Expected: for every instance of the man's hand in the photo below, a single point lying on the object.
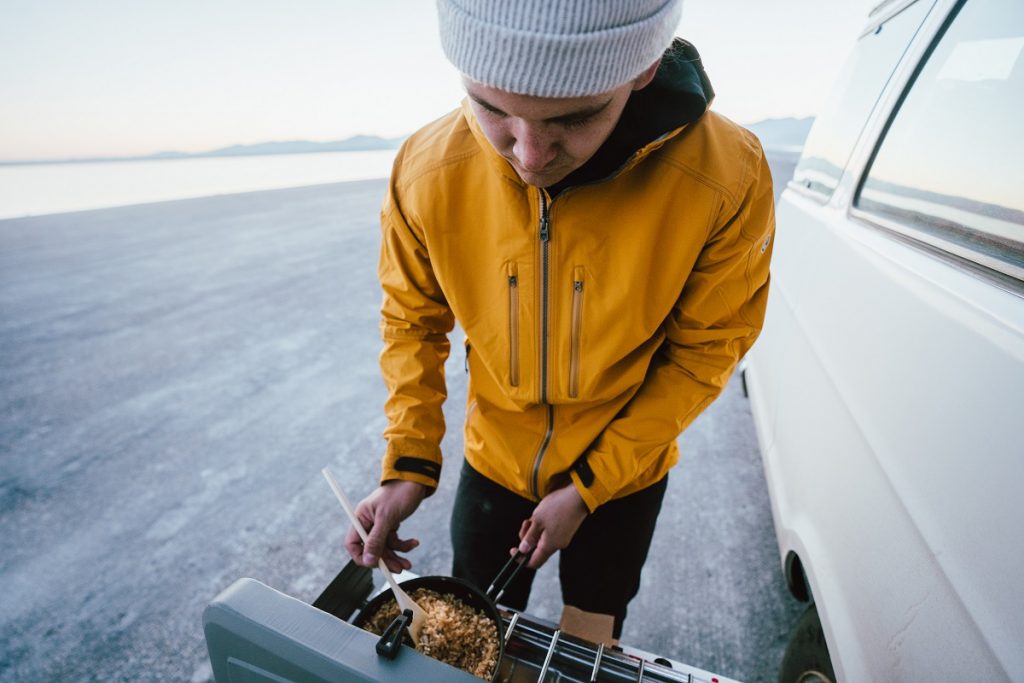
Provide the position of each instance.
(552, 525)
(381, 512)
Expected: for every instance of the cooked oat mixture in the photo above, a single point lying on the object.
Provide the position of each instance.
(454, 632)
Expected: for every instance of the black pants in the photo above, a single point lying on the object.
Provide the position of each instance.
(599, 571)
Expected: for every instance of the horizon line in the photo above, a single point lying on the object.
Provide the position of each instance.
(240, 149)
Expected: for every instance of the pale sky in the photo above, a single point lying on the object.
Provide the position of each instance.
(125, 77)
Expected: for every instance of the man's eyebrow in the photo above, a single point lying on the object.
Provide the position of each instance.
(579, 114)
(584, 113)
(485, 104)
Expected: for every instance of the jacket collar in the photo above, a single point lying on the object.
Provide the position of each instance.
(496, 160)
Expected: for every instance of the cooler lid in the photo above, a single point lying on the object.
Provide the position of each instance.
(256, 634)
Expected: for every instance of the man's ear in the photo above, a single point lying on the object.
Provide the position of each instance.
(644, 79)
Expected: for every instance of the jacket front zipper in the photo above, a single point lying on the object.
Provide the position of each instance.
(513, 326)
(545, 240)
(575, 334)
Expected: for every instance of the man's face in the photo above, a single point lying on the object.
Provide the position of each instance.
(546, 138)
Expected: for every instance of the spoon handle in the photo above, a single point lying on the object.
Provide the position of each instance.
(351, 512)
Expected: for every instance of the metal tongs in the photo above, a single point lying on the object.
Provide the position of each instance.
(501, 582)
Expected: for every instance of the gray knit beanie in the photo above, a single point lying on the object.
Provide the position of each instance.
(556, 48)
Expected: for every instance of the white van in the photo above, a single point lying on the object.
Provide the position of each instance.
(888, 385)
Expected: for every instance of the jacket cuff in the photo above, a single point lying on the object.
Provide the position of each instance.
(592, 491)
(408, 463)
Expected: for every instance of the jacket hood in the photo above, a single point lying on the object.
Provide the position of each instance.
(679, 95)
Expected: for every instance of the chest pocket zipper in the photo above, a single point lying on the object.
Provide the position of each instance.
(513, 325)
(576, 333)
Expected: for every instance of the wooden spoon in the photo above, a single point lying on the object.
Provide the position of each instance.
(419, 615)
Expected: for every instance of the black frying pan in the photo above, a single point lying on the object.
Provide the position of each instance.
(397, 633)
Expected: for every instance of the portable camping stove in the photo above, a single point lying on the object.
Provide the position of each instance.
(257, 634)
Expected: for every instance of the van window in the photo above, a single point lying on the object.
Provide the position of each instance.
(951, 164)
(857, 88)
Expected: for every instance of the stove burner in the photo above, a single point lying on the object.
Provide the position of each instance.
(536, 651)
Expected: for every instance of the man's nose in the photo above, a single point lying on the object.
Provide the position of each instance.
(533, 148)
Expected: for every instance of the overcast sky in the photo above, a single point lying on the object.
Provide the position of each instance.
(121, 77)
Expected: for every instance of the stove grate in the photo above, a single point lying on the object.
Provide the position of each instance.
(538, 652)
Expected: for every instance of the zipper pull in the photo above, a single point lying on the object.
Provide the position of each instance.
(577, 285)
(512, 281)
(545, 222)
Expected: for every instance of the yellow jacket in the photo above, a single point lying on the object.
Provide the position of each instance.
(598, 325)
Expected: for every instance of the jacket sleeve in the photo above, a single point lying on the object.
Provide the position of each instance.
(416, 320)
(715, 321)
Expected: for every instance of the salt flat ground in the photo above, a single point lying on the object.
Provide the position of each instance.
(172, 378)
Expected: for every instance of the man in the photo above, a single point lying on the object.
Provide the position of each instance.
(604, 242)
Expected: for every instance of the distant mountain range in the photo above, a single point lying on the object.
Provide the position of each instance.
(778, 134)
(357, 143)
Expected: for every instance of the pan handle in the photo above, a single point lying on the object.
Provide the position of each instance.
(498, 586)
(391, 641)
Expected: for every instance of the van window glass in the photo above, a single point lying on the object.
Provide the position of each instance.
(951, 164)
(853, 96)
